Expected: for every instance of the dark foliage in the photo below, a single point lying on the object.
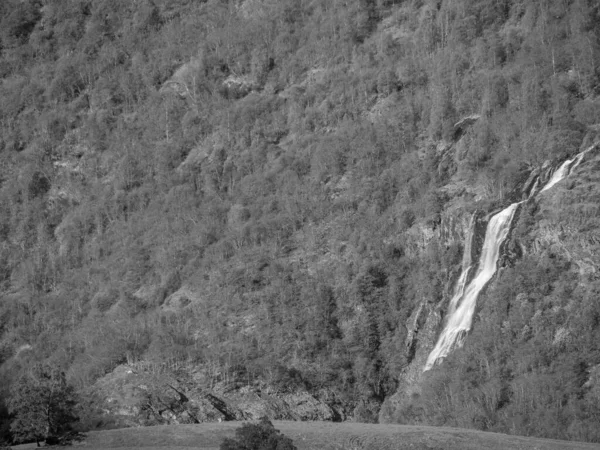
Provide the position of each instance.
(42, 406)
(259, 436)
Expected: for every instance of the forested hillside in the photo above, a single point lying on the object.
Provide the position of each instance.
(277, 193)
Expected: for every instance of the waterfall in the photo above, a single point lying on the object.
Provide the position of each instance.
(560, 173)
(463, 303)
(565, 168)
(467, 264)
(532, 191)
(461, 316)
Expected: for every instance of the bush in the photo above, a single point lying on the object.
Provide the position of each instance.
(260, 436)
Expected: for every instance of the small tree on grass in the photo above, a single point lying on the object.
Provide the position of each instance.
(42, 404)
(260, 436)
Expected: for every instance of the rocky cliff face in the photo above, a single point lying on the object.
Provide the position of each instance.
(565, 218)
(549, 221)
(150, 394)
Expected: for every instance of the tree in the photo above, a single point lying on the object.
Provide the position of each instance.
(42, 404)
(4, 422)
(18, 25)
(260, 436)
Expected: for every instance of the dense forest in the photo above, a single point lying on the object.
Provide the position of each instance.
(258, 189)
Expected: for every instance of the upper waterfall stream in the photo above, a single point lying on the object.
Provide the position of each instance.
(462, 305)
(564, 170)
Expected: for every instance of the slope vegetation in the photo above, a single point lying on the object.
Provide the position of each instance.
(275, 195)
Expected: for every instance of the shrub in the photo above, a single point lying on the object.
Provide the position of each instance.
(259, 436)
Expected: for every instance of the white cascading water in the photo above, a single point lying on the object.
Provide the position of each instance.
(579, 158)
(460, 313)
(560, 173)
(466, 269)
(461, 316)
(565, 169)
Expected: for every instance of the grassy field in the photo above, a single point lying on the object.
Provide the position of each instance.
(323, 435)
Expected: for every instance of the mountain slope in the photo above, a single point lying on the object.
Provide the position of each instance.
(278, 195)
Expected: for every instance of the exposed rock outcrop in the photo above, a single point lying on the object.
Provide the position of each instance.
(462, 125)
(181, 82)
(549, 222)
(146, 394)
